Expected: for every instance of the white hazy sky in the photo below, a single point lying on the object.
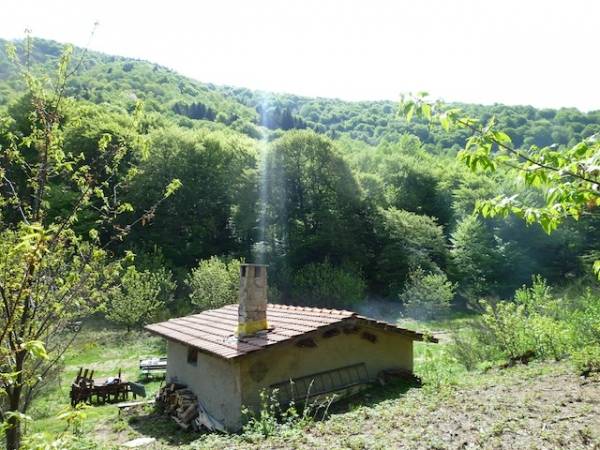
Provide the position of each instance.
(540, 52)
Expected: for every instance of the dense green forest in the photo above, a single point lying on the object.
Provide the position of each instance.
(130, 193)
(347, 184)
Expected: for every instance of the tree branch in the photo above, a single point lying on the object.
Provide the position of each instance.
(524, 156)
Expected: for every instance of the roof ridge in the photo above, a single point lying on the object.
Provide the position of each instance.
(309, 308)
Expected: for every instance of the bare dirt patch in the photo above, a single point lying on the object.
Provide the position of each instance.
(545, 412)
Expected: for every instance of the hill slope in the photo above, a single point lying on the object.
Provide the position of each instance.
(121, 81)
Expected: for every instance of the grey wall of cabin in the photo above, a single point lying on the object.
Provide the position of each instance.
(216, 382)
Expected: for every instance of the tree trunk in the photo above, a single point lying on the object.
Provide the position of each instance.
(13, 433)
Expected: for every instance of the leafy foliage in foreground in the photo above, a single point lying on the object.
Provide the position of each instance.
(569, 178)
(52, 275)
(273, 418)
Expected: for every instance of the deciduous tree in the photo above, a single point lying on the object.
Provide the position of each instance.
(50, 276)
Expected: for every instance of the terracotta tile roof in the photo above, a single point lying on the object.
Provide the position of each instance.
(213, 330)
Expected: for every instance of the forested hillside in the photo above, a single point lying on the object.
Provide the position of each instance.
(351, 185)
(374, 122)
(121, 81)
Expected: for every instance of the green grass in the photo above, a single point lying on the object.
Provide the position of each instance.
(454, 321)
(105, 349)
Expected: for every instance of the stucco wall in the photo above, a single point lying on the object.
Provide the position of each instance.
(214, 380)
(391, 350)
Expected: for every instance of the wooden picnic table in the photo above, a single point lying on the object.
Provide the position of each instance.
(101, 390)
(150, 366)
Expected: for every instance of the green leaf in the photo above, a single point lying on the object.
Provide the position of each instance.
(129, 256)
(35, 349)
(597, 268)
(93, 234)
(104, 141)
(444, 121)
(410, 113)
(125, 207)
(426, 111)
(501, 137)
(172, 187)
(11, 51)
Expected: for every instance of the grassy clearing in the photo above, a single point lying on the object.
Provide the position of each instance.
(104, 349)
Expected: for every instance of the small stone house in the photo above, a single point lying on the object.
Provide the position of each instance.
(227, 356)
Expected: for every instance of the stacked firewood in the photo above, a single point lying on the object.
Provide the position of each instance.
(180, 403)
(187, 411)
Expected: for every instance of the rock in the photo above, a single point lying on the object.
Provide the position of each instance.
(139, 442)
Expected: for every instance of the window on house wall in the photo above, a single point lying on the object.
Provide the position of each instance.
(192, 355)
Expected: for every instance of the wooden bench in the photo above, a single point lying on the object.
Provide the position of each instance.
(126, 405)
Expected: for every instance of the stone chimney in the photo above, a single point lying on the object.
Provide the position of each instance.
(252, 311)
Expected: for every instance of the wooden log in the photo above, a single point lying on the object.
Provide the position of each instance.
(183, 425)
(190, 413)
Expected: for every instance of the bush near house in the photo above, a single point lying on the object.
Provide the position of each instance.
(214, 283)
(427, 295)
(141, 297)
(535, 324)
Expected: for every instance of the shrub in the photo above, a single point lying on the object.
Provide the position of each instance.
(427, 295)
(587, 359)
(585, 321)
(506, 325)
(408, 241)
(321, 284)
(585, 333)
(473, 347)
(140, 298)
(214, 283)
(437, 367)
(72, 438)
(533, 325)
(274, 418)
